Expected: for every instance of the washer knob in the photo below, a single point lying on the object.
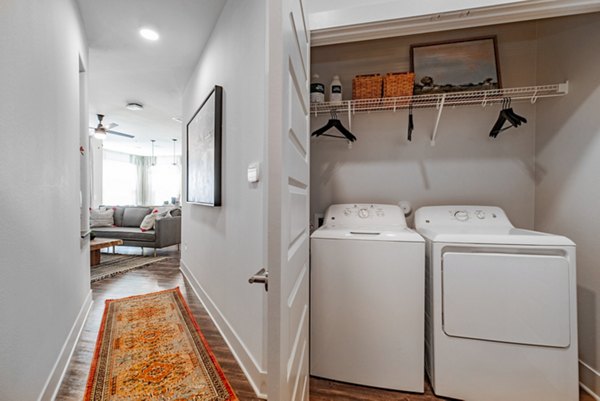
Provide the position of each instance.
(461, 215)
(363, 213)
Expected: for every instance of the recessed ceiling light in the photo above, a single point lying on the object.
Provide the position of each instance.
(149, 34)
(176, 119)
(134, 106)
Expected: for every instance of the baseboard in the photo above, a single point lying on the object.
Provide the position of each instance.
(589, 380)
(60, 366)
(255, 375)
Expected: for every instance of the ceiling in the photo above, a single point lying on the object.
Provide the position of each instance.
(124, 67)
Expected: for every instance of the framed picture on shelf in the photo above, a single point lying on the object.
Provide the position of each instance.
(204, 138)
(456, 66)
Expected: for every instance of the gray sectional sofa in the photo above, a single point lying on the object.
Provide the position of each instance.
(127, 220)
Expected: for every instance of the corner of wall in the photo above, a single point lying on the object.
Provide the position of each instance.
(59, 369)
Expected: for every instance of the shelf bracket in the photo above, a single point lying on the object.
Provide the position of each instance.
(440, 108)
(564, 87)
(350, 116)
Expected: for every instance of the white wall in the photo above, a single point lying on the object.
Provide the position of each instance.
(44, 267)
(568, 156)
(223, 246)
(464, 167)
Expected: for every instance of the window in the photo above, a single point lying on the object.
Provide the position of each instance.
(133, 180)
(119, 182)
(165, 182)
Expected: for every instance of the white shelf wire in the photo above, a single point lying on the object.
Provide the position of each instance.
(484, 98)
(439, 101)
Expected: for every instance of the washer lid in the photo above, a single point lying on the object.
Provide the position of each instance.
(368, 233)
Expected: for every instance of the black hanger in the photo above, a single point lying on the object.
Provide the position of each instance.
(337, 124)
(506, 114)
(411, 125)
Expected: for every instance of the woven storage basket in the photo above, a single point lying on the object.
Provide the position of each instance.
(398, 84)
(367, 86)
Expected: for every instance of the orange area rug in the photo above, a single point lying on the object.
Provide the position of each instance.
(150, 348)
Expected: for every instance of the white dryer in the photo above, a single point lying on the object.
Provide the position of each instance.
(501, 321)
(367, 298)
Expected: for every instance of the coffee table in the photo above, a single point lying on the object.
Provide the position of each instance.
(99, 243)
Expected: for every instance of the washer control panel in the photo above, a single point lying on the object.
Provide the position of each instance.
(461, 216)
(361, 214)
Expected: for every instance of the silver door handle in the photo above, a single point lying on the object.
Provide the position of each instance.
(261, 277)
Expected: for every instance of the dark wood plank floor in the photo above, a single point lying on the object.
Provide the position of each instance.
(165, 274)
(158, 276)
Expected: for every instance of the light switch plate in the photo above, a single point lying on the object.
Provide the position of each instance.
(254, 172)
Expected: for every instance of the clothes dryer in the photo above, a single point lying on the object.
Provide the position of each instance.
(501, 319)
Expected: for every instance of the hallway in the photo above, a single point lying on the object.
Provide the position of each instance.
(158, 276)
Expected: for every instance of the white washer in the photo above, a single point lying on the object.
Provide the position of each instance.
(367, 298)
(501, 319)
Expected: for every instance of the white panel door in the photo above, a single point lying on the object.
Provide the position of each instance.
(288, 200)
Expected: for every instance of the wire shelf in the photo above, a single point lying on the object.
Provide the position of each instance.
(484, 98)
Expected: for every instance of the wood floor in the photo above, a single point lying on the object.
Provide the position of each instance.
(165, 274)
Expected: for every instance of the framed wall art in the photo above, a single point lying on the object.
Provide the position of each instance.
(456, 66)
(204, 139)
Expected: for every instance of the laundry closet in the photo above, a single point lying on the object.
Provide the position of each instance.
(543, 174)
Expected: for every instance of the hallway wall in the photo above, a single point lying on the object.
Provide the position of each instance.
(44, 265)
(223, 246)
(567, 193)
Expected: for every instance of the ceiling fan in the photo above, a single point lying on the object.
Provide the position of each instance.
(101, 131)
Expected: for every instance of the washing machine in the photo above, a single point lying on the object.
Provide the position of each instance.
(367, 298)
(501, 322)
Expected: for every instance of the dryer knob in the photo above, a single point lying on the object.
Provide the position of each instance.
(363, 213)
(461, 215)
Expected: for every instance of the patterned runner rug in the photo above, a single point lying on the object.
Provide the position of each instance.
(113, 264)
(150, 348)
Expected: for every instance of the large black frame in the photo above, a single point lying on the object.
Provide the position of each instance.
(201, 193)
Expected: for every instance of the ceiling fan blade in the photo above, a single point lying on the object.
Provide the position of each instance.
(120, 134)
(112, 125)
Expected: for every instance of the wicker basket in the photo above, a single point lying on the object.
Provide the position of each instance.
(367, 86)
(398, 84)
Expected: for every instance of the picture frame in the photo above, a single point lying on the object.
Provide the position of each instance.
(456, 66)
(203, 151)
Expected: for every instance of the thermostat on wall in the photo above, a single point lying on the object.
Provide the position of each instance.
(254, 172)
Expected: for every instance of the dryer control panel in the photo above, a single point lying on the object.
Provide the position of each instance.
(461, 216)
(365, 214)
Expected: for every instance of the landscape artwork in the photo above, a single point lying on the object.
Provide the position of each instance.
(457, 66)
(204, 152)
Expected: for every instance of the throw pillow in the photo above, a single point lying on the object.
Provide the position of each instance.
(148, 222)
(101, 218)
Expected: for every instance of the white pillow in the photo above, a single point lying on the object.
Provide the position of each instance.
(164, 209)
(148, 222)
(101, 218)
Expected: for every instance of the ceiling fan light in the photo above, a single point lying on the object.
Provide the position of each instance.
(134, 106)
(99, 134)
(149, 34)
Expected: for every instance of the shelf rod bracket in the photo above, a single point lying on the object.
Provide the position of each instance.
(350, 116)
(564, 88)
(437, 120)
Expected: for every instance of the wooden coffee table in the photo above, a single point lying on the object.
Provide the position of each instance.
(99, 243)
